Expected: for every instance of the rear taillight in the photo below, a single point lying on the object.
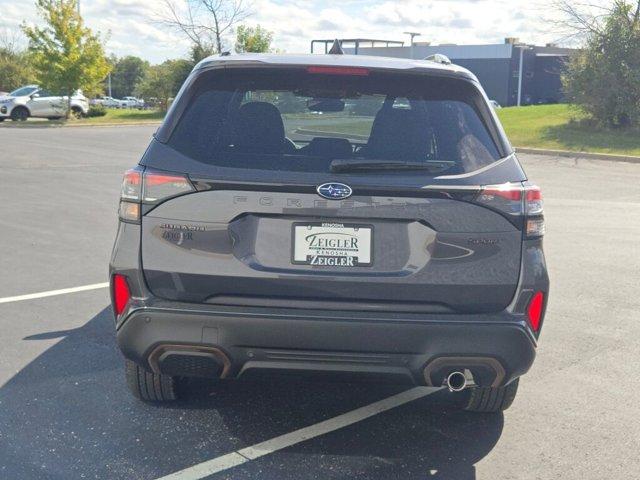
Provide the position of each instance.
(148, 187)
(534, 310)
(120, 293)
(516, 200)
(507, 197)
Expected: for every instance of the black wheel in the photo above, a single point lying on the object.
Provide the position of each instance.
(490, 400)
(1, 119)
(150, 387)
(76, 113)
(19, 114)
(53, 118)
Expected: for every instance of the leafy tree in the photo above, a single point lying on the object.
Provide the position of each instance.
(15, 68)
(66, 55)
(199, 52)
(162, 82)
(253, 39)
(604, 77)
(126, 74)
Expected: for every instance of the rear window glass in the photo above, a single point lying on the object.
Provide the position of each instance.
(275, 119)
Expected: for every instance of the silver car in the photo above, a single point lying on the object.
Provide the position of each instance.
(33, 101)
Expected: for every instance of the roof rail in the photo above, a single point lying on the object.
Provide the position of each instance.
(439, 58)
(336, 48)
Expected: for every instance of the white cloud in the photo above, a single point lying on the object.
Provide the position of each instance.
(131, 27)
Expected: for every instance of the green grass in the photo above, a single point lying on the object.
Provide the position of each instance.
(124, 116)
(564, 127)
(554, 127)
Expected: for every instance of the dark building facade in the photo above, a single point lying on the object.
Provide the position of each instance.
(511, 73)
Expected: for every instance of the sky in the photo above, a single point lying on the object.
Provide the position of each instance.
(131, 27)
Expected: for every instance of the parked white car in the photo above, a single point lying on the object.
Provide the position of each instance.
(110, 102)
(133, 102)
(33, 101)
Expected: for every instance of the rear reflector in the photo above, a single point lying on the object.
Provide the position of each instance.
(534, 310)
(361, 72)
(121, 293)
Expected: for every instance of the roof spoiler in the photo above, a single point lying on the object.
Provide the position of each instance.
(439, 58)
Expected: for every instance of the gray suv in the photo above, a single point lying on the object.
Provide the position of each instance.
(333, 214)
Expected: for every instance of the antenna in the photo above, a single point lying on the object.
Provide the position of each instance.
(336, 48)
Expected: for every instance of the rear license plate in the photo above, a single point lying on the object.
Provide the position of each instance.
(332, 244)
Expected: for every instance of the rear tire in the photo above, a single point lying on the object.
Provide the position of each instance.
(19, 114)
(492, 399)
(150, 387)
(76, 113)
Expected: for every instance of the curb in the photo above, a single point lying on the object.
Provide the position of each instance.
(610, 157)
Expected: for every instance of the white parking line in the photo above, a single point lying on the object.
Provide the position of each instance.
(52, 293)
(244, 455)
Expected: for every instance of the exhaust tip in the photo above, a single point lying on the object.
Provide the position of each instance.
(456, 381)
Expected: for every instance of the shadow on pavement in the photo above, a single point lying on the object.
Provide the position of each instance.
(68, 415)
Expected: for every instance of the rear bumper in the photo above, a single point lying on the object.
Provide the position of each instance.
(201, 340)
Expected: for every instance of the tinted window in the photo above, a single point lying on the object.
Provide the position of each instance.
(294, 120)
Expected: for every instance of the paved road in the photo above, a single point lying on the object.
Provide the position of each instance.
(65, 412)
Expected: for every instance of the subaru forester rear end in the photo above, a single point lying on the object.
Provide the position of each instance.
(330, 214)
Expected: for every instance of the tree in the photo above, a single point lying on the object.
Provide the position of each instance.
(253, 39)
(604, 77)
(203, 22)
(15, 68)
(126, 74)
(163, 81)
(66, 55)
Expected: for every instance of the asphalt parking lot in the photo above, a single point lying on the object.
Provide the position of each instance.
(65, 412)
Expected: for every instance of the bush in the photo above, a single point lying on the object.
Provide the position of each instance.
(97, 111)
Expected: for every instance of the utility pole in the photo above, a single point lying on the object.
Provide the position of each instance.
(521, 72)
(78, 5)
(412, 35)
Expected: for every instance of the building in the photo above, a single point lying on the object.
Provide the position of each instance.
(511, 73)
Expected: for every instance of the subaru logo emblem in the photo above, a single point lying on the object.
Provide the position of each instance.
(334, 191)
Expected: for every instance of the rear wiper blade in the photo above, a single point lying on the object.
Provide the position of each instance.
(350, 165)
